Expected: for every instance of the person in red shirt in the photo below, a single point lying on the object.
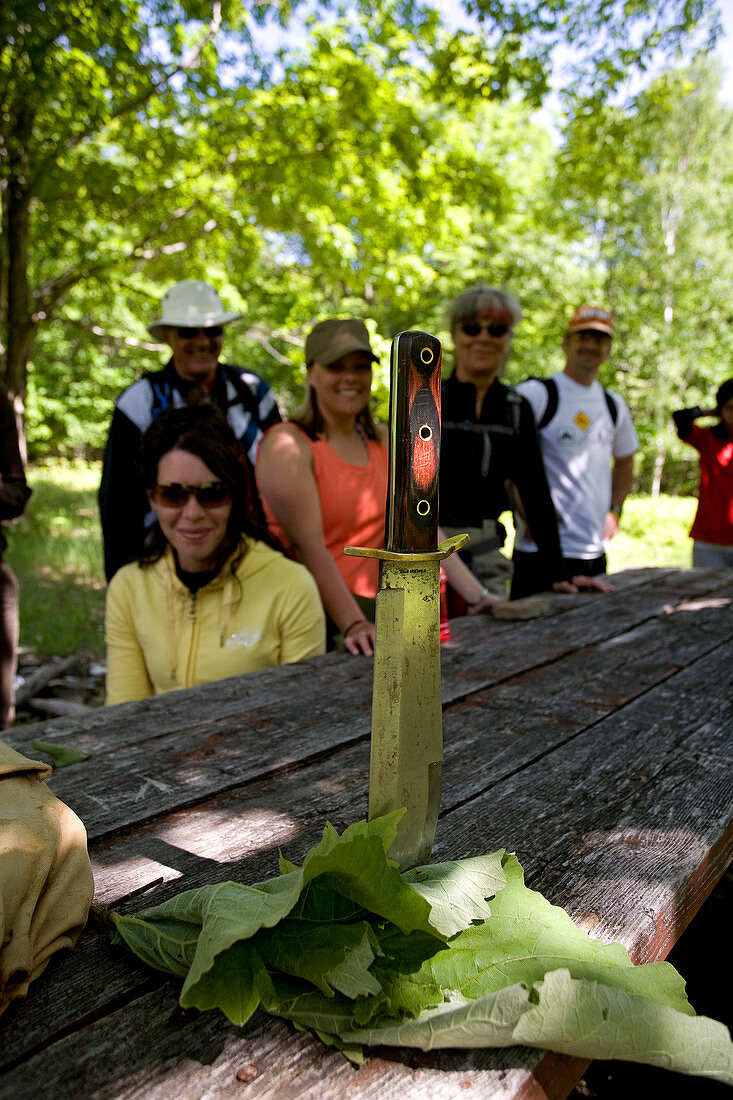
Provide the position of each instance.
(712, 529)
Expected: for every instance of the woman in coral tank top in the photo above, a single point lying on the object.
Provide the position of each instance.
(323, 480)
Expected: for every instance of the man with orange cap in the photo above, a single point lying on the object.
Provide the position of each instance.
(588, 443)
(192, 323)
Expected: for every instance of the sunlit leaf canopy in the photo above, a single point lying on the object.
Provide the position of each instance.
(371, 159)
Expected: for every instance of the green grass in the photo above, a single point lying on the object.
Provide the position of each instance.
(55, 550)
(653, 532)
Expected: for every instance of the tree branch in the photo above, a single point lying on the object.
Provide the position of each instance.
(263, 336)
(155, 89)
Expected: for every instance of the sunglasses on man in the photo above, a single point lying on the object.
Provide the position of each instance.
(494, 328)
(176, 494)
(185, 333)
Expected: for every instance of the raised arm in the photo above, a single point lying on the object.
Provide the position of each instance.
(684, 419)
(286, 480)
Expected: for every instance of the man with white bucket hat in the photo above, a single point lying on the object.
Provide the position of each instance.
(191, 322)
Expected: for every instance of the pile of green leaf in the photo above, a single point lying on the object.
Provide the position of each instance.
(456, 954)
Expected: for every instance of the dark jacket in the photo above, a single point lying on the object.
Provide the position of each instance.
(479, 455)
(14, 491)
(245, 399)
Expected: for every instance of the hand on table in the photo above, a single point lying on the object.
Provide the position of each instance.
(597, 584)
(485, 603)
(359, 638)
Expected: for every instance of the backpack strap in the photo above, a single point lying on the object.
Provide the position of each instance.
(552, 400)
(612, 406)
(162, 394)
(551, 407)
(514, 405)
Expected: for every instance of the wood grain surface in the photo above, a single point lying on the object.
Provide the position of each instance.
(594, 742)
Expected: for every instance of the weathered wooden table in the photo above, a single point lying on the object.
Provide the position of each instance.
(594, 742)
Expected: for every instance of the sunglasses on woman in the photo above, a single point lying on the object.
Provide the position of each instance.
(176, 494)
(340, 367)
(494, 328)
(191, 333)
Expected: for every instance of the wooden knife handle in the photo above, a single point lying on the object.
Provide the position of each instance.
(414, 453)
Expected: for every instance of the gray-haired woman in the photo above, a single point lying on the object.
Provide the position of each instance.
(489, 442)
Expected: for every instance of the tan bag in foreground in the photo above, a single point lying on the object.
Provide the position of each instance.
(46, 884)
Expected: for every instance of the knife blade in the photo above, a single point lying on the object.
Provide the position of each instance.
(407, 720)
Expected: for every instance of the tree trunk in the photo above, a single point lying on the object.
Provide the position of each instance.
(20, 327)
(659, 460)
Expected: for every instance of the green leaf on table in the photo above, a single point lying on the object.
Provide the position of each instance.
(594, 1020)
(340, 876)
(582, 1018)
(486, 1022)
(166, 944)
(327, 1015)
(335, 956)
(63, 757)
(525, 937)
(352, 977)
(321, 902)
(457, 890)
(232, 913)
(190, 929)
(457, 954)
(357, 867)
(237, 982)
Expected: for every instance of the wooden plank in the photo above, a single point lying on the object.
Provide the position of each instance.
(214, 754)
(503, 649)
(649, 830)
(151, 1050)
(113, 728)
(243, 829)
(110, 729)
(247, 824)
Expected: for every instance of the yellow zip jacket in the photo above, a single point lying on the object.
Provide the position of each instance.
(161, 637)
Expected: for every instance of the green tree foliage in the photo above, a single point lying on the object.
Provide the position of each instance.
(375, 167)
(652, 186)
(90, 173)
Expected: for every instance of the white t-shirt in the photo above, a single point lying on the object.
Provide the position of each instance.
(578, 446)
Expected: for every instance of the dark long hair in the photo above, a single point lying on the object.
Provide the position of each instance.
(202, 431)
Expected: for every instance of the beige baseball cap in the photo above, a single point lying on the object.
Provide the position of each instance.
(330, 340)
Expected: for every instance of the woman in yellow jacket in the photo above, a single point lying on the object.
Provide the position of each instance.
(211, 597)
